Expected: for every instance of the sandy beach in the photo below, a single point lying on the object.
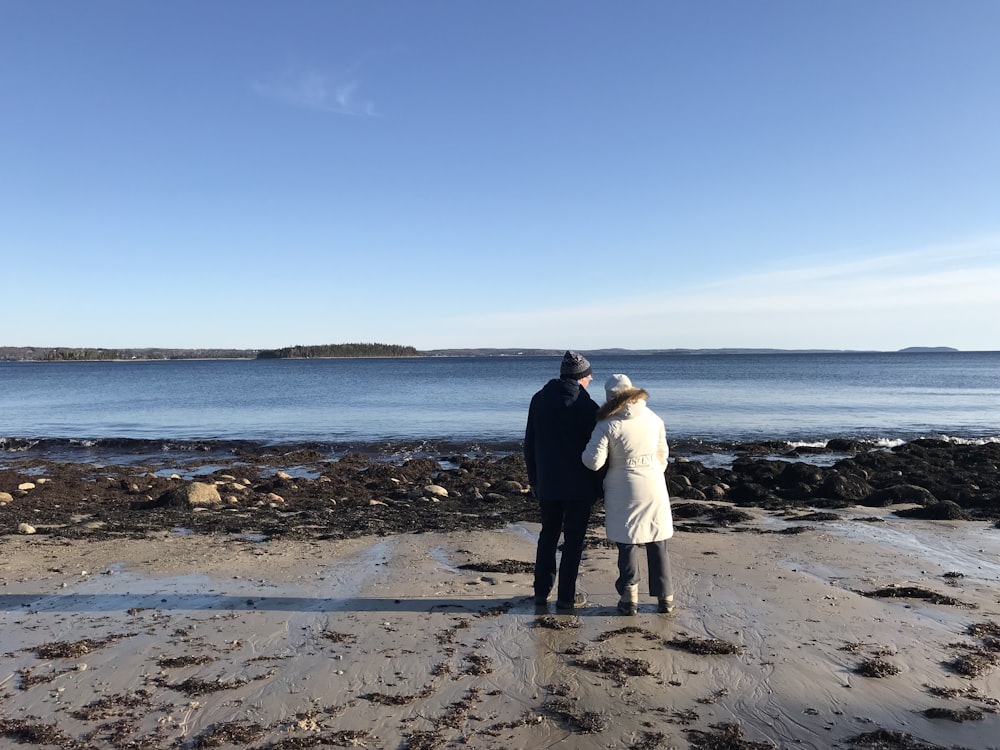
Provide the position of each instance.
(865, 630)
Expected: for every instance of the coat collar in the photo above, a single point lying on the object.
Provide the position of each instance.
(618, 405)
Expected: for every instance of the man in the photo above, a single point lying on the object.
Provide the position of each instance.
(560, 419)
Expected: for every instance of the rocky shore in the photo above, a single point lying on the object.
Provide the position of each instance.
(304, 494)
(285, 600)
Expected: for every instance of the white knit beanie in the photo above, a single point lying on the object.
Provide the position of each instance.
(616, 384)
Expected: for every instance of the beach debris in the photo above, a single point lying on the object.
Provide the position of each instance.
(584, 722)
(715, 697)
(338, 637)
(455, 714)
(877, 667)
(552, 622)
(24, 731)
(193, 686)
(966, 714)
(449, 635)
(28, 677)
(174, 662)
(75, 649)
(228, 733)
(510, 567)
(970, 693)
(384, 699)
(886, 739)
(649, 741)
(724, 736)
(984, 629)
(790, 530)
(900, 591)
(424, 740)
(976, 663)
(703, 646)
(113, 705)
(528, 719)
(617, 668)
(628, 630)
(477, 665)
(818, 516)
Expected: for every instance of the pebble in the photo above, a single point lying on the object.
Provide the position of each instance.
(25, 528)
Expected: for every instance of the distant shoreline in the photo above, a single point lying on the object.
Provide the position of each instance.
(89, 354)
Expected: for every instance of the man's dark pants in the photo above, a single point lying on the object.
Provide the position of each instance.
(571, 519)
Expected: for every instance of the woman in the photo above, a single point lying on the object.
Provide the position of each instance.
(632, 441)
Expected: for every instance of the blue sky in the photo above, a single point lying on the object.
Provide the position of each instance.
(779, 173)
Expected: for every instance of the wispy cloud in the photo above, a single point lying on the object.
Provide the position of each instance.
(943, 295)
(319, 90)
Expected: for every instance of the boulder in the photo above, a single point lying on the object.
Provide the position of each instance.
(750, 493)
(844, 487)
(190, 495)
(799, 473)
(899, 494)
(944, 511)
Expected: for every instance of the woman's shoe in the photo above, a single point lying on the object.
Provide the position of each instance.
(627, 608)
(629, 604)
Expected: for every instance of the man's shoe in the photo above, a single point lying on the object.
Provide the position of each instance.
(665, 605)
(578, 601)
(541, 600)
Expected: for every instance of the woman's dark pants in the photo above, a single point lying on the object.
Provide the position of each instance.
(657, 562)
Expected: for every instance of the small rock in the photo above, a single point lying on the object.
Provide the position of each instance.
(436, 489)
(283, 475)
(6, 497)
(25, 486)
(26, 528)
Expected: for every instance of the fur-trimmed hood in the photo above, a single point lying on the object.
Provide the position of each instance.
(621, 405)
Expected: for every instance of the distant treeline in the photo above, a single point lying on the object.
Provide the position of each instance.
(339, 350)
(89, 354)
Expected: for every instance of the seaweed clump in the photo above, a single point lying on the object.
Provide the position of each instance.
(703, 646)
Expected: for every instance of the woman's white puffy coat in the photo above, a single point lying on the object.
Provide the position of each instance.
(631, 440)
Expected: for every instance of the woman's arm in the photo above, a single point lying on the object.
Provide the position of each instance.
(596, 452)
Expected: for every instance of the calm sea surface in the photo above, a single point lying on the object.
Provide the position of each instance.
(478, 401)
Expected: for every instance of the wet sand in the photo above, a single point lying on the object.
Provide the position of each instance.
(183, 640)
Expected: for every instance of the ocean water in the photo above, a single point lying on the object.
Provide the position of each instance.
(480, 403)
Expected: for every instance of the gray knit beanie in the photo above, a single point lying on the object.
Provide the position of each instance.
(575, 366)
